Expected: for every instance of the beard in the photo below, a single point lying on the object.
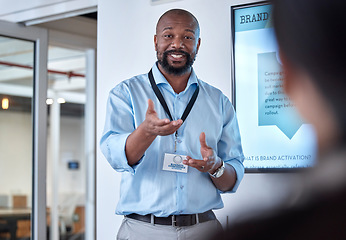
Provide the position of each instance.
(177, 71)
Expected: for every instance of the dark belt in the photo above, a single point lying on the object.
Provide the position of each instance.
(175, 220)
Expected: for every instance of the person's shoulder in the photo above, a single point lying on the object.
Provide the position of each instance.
(133, 82)
(136, 80)
(214, 93)
(209, 88)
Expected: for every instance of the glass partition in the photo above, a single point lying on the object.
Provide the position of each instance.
(16, 137)
(66, 158)
(31, 174)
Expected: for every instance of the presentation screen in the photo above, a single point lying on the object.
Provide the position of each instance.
(274, 137)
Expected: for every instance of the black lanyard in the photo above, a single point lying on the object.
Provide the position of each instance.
(163, 102)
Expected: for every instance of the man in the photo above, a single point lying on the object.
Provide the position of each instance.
(176, 140)
(311, 39)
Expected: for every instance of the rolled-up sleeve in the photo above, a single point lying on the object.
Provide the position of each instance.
(239, 169)
(118, 126)
(229, 146)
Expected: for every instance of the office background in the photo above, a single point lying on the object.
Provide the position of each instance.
(125, 48)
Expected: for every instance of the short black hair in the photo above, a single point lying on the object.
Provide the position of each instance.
(181, 12)
(311, 35)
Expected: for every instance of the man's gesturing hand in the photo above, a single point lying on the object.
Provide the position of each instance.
(155, 126)
(210, 161)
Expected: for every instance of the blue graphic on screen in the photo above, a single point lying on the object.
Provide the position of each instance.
(273, 134)
(274, 107)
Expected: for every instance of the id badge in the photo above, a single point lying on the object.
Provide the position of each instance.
(174, 162)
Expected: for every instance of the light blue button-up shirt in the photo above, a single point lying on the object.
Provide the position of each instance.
(145, 187)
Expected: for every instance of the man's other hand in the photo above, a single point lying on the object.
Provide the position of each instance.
(210, 161)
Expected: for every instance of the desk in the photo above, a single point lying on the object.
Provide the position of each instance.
(12, 216)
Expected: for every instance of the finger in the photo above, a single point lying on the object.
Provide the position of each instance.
(202, 140)
(151, 105)
(177, 122)
(166, 121)
(167, 129)
(161, 122)
(186, 160)
(196, 163)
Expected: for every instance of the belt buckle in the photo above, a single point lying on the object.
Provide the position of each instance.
(174, 221)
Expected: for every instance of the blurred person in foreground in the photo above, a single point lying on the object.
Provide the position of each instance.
(311, 37)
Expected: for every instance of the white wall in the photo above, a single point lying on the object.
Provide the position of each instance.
(16, 157)
(125, 48)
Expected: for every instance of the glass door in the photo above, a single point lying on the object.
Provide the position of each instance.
(23, 124)
(66, 159)
(71, 136)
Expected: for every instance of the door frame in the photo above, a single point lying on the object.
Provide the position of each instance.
(39, 147)
(89, 45)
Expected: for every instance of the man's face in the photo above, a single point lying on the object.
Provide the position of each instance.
(176, 43)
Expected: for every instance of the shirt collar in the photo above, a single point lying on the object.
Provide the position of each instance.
(160, 79)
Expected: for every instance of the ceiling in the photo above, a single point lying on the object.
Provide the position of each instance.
(66, 67)
(66, 71)
(16, 74)
(39, 11)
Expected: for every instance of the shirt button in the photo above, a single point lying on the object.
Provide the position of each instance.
(181, 187)
(178, 141)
